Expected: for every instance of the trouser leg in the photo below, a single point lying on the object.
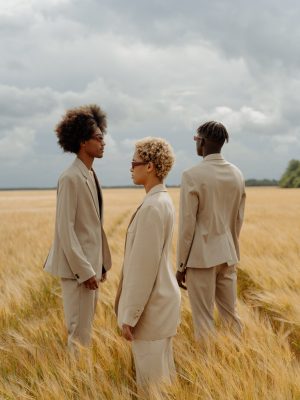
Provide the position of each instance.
(201, 290)
(226, 288)
(79, 309)
(154, 362)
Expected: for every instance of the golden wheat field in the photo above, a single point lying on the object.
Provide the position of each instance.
(263, 364)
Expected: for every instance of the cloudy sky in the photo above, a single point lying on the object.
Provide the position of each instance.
(158, 68)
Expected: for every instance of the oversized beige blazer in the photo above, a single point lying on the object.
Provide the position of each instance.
(80, 245)
(212, 201)
(149, 297)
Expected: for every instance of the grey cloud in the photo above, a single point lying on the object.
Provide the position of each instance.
(263, 32)
(157, 68)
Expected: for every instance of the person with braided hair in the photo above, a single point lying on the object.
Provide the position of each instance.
(212, 201)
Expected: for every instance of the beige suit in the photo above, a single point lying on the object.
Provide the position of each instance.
(212, 201)
(80, 247)
(149, 298)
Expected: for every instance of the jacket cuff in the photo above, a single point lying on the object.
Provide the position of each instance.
(131, 315)
(181, 267)
(82, 277)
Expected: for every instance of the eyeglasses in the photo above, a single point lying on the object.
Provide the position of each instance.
(198, 138)
(137, 163)
(99, 138)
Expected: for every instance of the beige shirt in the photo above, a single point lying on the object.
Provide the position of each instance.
(212, 201)
(149, 295)
(80, 245)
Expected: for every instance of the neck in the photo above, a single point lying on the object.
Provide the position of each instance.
(86, 159)
(151, 183)
(211, 151)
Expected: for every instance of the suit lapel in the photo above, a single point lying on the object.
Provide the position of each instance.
(133, 215)
(84, 170)
(119, 290)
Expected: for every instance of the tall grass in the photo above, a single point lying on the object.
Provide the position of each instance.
(262, 364)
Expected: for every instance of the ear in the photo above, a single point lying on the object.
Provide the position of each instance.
(150, 167)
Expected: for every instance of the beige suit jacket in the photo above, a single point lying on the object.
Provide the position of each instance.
(80, 245)
(212, 201)
(149, 295)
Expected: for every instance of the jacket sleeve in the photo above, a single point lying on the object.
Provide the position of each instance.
(66, 214)
(143, 264)
(240, 216)
(188, 209)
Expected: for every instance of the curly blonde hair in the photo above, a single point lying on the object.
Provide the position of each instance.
(159, 151)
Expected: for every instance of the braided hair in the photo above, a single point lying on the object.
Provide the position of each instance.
(214, 132)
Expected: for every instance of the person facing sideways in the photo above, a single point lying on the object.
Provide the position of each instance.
(148, 297)
(212, 201)
(80, 255)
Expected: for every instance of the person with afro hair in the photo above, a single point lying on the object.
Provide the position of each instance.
(80, 254)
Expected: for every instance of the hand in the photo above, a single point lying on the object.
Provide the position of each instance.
(91, 283)
(127, 332)
(103, 277)
(180, 276)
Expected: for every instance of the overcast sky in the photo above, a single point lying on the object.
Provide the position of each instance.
(158, 68)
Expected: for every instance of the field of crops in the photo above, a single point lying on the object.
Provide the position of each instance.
(263, 364)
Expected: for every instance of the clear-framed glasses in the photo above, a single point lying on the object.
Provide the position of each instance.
(98, 137)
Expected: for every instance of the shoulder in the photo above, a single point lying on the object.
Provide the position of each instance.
(196, 169)
(71, 176)
(190, 175)
(237, 172)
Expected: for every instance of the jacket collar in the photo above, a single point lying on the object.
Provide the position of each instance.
(86, 173)
(215, 156)
(83, 168)
(157, 188)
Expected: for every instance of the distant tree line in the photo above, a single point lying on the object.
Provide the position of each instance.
(261, 182)
(291, 177)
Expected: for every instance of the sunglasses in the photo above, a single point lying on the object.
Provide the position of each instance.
(137, 163)
(198, 138)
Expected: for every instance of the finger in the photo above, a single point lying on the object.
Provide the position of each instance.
(182, 286)
(127, 334)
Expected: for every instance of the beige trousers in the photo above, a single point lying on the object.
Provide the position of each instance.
(207, 285)
(79, 309)
(154, 362)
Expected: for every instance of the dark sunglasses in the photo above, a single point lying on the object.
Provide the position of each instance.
(137, 163)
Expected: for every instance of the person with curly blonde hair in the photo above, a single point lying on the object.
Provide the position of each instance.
(80, 254)
(148, 298)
